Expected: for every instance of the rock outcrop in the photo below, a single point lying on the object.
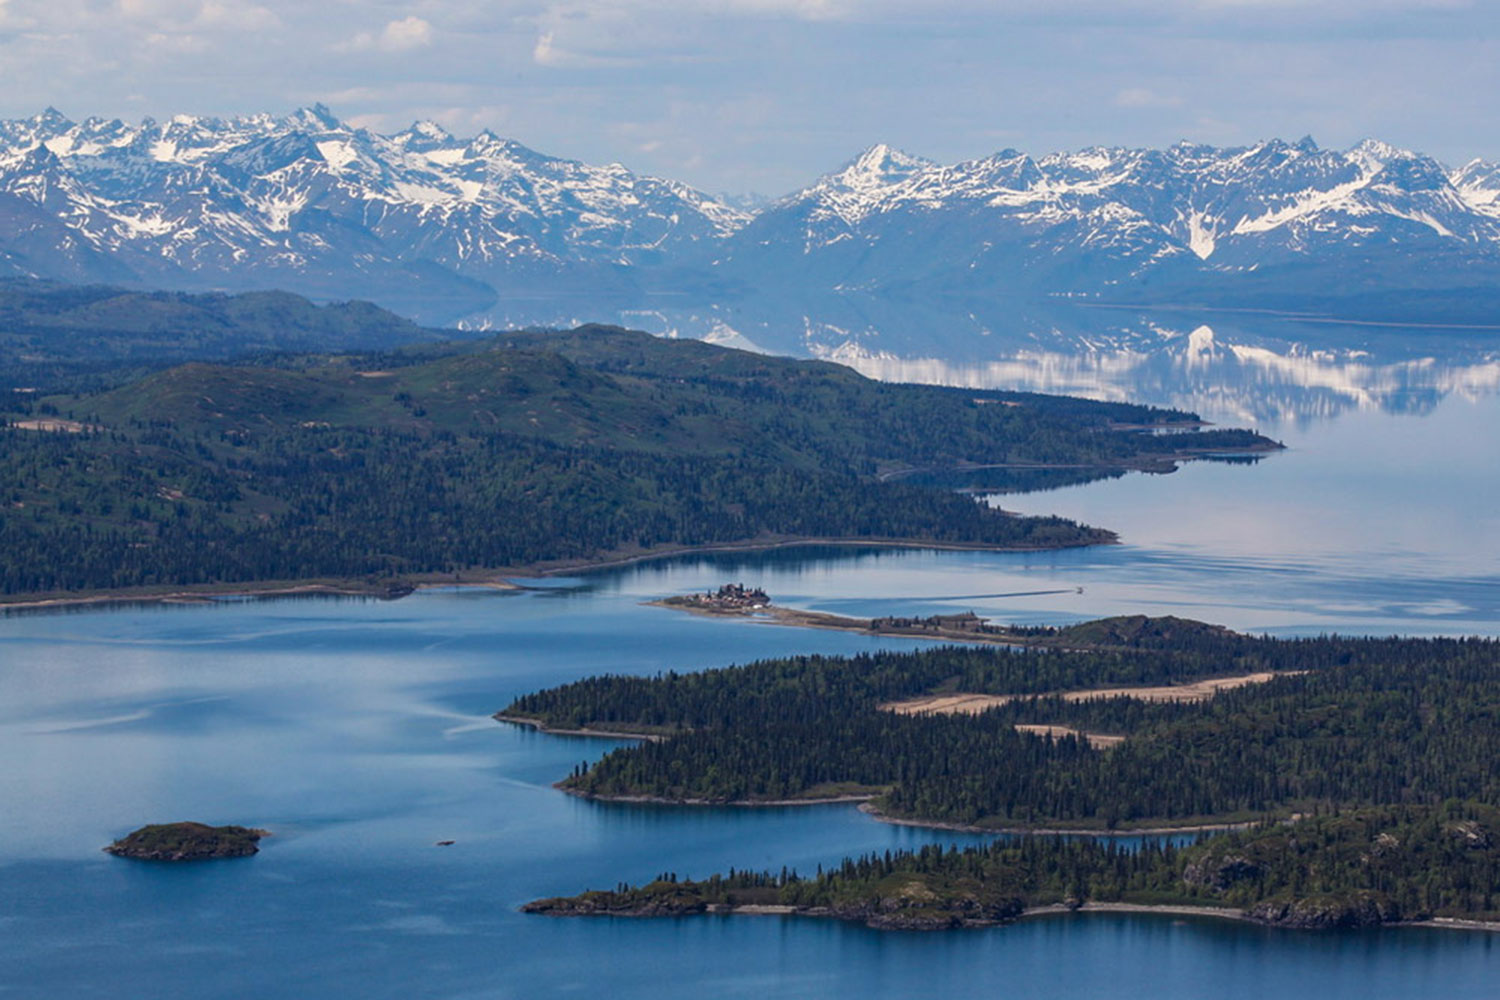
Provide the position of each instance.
(1361, 909)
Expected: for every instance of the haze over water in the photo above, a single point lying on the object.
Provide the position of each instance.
(359, 732)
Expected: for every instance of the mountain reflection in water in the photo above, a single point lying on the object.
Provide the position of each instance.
(1230, 367)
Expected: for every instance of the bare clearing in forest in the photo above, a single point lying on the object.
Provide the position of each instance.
(1099, 741)
(973, 704)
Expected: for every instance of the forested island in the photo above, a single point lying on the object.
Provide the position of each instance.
(1209, 727)
(463, 460)
(1344, 782)
(1363, 868)
(187, 841)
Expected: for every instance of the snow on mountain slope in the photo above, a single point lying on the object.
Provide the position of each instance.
(311, 203)
(1091, 221)
(439, 226)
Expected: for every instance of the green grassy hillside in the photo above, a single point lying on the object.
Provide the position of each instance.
(53, 334)
(511, 452)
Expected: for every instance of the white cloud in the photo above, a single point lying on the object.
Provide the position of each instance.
(856, 10)
(809, 10)
(1141, 97)
(159, 18)
(549, 52)
(176, 42)
(401, 35)
(160, 13)
(410, 32)
(237, 17)
(544, 53)
(354, 95)
(770, 91)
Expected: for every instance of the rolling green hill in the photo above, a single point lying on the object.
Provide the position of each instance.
(53, 333)
(519, 450)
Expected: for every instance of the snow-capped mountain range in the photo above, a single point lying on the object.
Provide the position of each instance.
(1131, 223)
(313, 205)
(440, 227)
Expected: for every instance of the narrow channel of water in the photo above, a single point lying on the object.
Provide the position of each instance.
(359, 732)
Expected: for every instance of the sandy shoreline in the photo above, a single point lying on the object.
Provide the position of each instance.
(1145, 831)
(866, 805)
(206, 594)
(495, 579)
(1054, 910)
(1224, 913)
(658, 800)
(1169, 909)
(794, 618)
(542, 727)
(1051, 910)
(1455, 924)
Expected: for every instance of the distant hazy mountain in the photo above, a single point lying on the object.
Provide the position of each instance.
(442, 227)
(51, 333)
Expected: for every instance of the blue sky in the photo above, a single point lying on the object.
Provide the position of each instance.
(763, 95)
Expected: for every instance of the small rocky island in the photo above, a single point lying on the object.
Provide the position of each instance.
(187, 842)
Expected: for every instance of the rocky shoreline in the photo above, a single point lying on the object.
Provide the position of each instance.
(1315, 914)
(882, 915)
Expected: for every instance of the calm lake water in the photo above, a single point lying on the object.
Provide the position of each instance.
(359, 732)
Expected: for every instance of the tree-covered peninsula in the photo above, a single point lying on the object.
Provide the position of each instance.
(439, 460)
(1110, 726)
(1393, 864)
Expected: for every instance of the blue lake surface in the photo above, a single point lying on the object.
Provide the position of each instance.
(360, 732)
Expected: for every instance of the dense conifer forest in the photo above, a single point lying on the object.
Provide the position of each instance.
(1341, 723)
(1349, 869)
(518, 450)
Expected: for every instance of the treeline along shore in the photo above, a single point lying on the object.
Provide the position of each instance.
(1382, 750)
(1433, 865)
(1267, 727)
(517, 453)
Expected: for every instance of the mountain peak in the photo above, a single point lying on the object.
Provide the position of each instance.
(429, 129)
(308, 202)
(49, 122)
(317, 117)
(883, 156)
(1373, 154)
(878, 166)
